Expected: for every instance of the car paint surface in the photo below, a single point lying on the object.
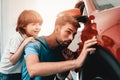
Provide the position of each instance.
(108, 27)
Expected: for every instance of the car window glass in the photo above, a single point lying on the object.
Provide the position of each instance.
(106, 4)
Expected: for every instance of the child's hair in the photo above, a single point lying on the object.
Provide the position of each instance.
(26, 17)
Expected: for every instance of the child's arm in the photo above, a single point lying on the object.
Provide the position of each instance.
(16, 56)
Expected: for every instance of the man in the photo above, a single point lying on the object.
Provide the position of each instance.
(43, 58)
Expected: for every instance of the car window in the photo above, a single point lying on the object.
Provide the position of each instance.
(106, 4)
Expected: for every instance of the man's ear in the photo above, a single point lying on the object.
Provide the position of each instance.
(57, 28)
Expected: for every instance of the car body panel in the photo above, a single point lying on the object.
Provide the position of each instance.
(108, 24)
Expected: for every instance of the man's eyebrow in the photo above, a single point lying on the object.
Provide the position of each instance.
(70, 29)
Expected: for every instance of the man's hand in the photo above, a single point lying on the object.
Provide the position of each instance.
(86, 49)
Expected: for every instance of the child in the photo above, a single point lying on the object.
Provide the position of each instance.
(28, 26)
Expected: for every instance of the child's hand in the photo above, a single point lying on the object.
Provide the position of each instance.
(29, 39)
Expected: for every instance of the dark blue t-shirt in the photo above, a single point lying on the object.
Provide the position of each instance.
(41, 49)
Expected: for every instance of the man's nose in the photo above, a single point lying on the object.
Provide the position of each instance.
(71, 37)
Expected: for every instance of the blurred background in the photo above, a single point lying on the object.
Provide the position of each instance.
(10, 10)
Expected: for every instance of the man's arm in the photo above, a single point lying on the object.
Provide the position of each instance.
(37, 68)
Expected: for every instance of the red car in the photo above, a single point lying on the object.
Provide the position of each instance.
(104, 63)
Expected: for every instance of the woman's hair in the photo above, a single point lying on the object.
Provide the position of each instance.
(66, 18)
(26, 17)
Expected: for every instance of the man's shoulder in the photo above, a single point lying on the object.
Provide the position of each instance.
(42, 41)
(38, 41)
(40, 38)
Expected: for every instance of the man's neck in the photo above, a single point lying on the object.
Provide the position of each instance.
(51, 39)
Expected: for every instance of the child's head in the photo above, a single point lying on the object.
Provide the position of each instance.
(28, 17)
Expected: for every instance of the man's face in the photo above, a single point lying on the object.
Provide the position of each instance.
(65, 35)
